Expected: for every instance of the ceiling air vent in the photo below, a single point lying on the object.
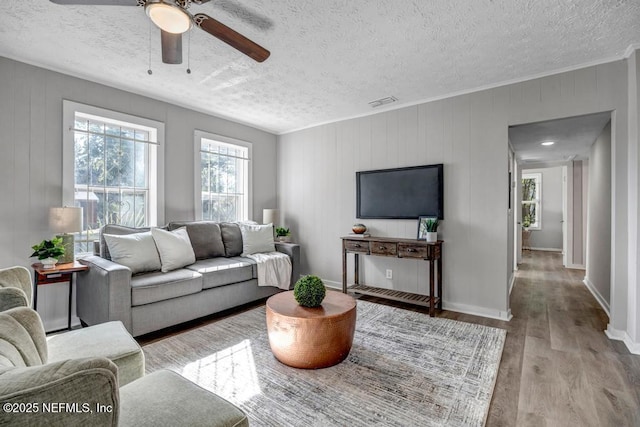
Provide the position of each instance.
(383, 101)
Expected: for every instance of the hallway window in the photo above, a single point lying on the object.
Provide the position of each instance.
(531, 199)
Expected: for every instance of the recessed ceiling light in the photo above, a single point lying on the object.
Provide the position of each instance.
(548, 143)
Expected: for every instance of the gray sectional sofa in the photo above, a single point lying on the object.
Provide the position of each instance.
(219, 279)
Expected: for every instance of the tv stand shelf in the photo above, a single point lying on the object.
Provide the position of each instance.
(397, 248)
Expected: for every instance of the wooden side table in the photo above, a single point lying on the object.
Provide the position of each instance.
(61, 273)
(311, 338)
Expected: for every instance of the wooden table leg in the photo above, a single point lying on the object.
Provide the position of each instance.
(356, 272)
(432, 297)
(344, 269)
(35, 291)
(440, 282)
(70, 301)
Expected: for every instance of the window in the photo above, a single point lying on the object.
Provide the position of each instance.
(112, 169)
(223, 178)
(531, 200)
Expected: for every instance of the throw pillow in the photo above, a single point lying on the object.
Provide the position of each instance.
(136, 251)
(257, 238)
(174, 248)
(205, 236)
(231, 238)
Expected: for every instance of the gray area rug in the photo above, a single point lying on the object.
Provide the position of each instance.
(404, 369)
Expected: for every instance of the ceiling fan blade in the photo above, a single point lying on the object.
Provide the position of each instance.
(98, 2)
(171, 47)
(231, 37)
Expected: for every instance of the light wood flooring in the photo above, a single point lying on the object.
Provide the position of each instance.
(558, 367)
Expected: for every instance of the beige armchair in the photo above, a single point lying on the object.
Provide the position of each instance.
(15, 288)
(80, 388)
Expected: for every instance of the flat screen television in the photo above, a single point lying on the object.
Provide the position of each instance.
(401, 193)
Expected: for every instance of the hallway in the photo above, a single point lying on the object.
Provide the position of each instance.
(557, 359)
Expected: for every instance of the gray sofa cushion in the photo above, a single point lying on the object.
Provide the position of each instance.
(205, 236)
(157, 286)
(232, 239)
(224, 271)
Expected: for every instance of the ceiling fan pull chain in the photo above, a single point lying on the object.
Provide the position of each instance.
(149, 70)
(189, 53)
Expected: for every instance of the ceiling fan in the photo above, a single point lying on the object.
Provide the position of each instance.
(174, 19)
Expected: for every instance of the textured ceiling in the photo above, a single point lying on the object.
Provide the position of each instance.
(328, 58)
(573, 138)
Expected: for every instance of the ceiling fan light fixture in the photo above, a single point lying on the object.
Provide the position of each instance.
(168, 17)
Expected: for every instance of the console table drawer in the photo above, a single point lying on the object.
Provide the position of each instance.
(356, 246)
(406, 250)
(383, 248)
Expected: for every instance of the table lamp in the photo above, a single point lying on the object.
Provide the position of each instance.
(66, 220)
(270, 216)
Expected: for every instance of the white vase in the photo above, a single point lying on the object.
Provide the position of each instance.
(49, 263)
(432, 236)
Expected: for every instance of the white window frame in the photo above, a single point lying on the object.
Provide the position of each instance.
(198, 136)
(156, 160)
(537, 176)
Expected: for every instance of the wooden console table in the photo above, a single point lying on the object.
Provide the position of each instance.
(397, 248)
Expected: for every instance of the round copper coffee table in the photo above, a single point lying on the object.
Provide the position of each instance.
(311, 338)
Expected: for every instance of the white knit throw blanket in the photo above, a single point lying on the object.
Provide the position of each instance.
(274, 269)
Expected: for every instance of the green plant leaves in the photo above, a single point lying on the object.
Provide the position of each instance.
(48, 249)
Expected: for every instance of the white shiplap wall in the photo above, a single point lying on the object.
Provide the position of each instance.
(468, 133)
(31, 159)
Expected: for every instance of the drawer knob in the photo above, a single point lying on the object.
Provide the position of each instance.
(411, 250)
(357, 245)
(382, 248)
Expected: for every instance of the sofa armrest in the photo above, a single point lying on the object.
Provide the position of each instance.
(104, 292)
(293, 250)
(67, 393)
(17, 277)
(11, 298)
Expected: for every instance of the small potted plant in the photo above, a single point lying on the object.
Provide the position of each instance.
(283, 235)
(48, 252)
(309, 291)
(431, 225)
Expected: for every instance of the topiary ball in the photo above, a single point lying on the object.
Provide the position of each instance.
(309, 291)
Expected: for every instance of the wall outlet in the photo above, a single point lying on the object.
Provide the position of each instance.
(389, 273)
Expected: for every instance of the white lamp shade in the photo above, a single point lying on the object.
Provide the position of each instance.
(65, 220)
(270, 216)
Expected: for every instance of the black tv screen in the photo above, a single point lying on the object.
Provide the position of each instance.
(401, 193)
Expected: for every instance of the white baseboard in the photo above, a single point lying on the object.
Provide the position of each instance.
(618, 335)
(333, 285)
(60, 323)
(546, 249)
(459, 308)
(603, 303)
(478, 311)
(575, 266)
